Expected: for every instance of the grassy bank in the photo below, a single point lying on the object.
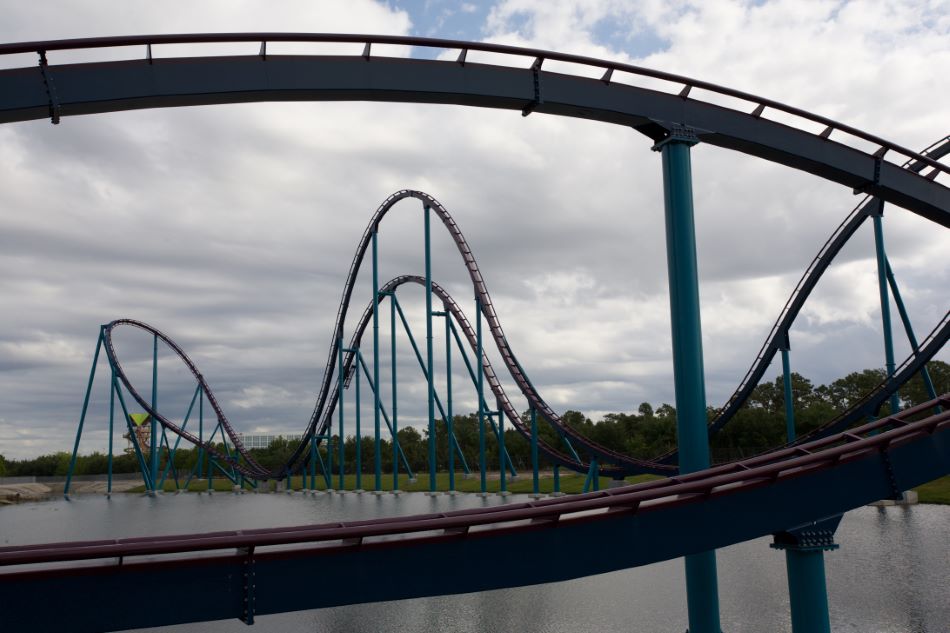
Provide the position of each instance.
(937, 491)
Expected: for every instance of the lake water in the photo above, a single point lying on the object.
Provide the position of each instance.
(891, 575)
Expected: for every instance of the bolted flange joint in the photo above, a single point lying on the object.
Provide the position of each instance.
(677, 134)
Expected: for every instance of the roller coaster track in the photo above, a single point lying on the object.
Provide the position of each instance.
(781, 490)
(55, 91)
(624, 464)
(250, 468)
(651, 522)
(618, 464)
(802, 291)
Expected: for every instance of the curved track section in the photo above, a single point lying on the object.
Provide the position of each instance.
(625, 467)
(250, 468)
(622, 527)
(779, 332)
(623, 464)
(803, 290)
(107, 86)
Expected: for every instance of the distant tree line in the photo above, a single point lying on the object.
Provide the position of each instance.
(649, 432)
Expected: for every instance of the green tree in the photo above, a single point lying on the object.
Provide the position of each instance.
(914, 392)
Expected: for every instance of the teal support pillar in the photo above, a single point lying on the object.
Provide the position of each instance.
(557, 479)
(153, 447)
(429, 353)
(878, 218)
(534, 451)
(342, 378)
(805, 549)
(392, 334)
(502, 473)
(449, 416)
(313, 463)
(481, 395)
(111, 430)
(789, 398)
(702, 592)
(908, 328)
(201, 423)
(377, 444)
(359, 435)
(85, 408)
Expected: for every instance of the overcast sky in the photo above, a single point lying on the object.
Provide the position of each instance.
(231, 227)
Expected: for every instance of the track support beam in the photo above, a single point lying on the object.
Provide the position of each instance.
(702, 593)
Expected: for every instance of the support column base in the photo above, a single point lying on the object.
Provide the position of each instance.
(908, 498)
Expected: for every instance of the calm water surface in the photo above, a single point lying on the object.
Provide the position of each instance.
(891, 575)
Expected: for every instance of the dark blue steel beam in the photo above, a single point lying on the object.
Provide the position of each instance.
(127, 85)
(210, 588)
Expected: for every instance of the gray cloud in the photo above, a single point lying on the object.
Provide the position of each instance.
(231, 228)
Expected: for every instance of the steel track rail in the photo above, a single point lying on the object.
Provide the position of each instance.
(250, 468)
(151, 82)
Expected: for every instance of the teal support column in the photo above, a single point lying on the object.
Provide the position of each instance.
(392, 334)
(878, 218)
(153, 455)
(805, 564)
(149, 484)
(557, 479)
(481, 394)
(534, 451)
(377, 444)
(702, 592)
(787, 382)
(448, 393)
(111, 430)
(201, 431)
(382, 410)
(808, 596)
(342, 444)
(313, 462)
(591, 475)
(359, 437)
(909, 330)
(170, 464)
(429, 353)
(502, 472)
(82, 416)
(201, 423)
